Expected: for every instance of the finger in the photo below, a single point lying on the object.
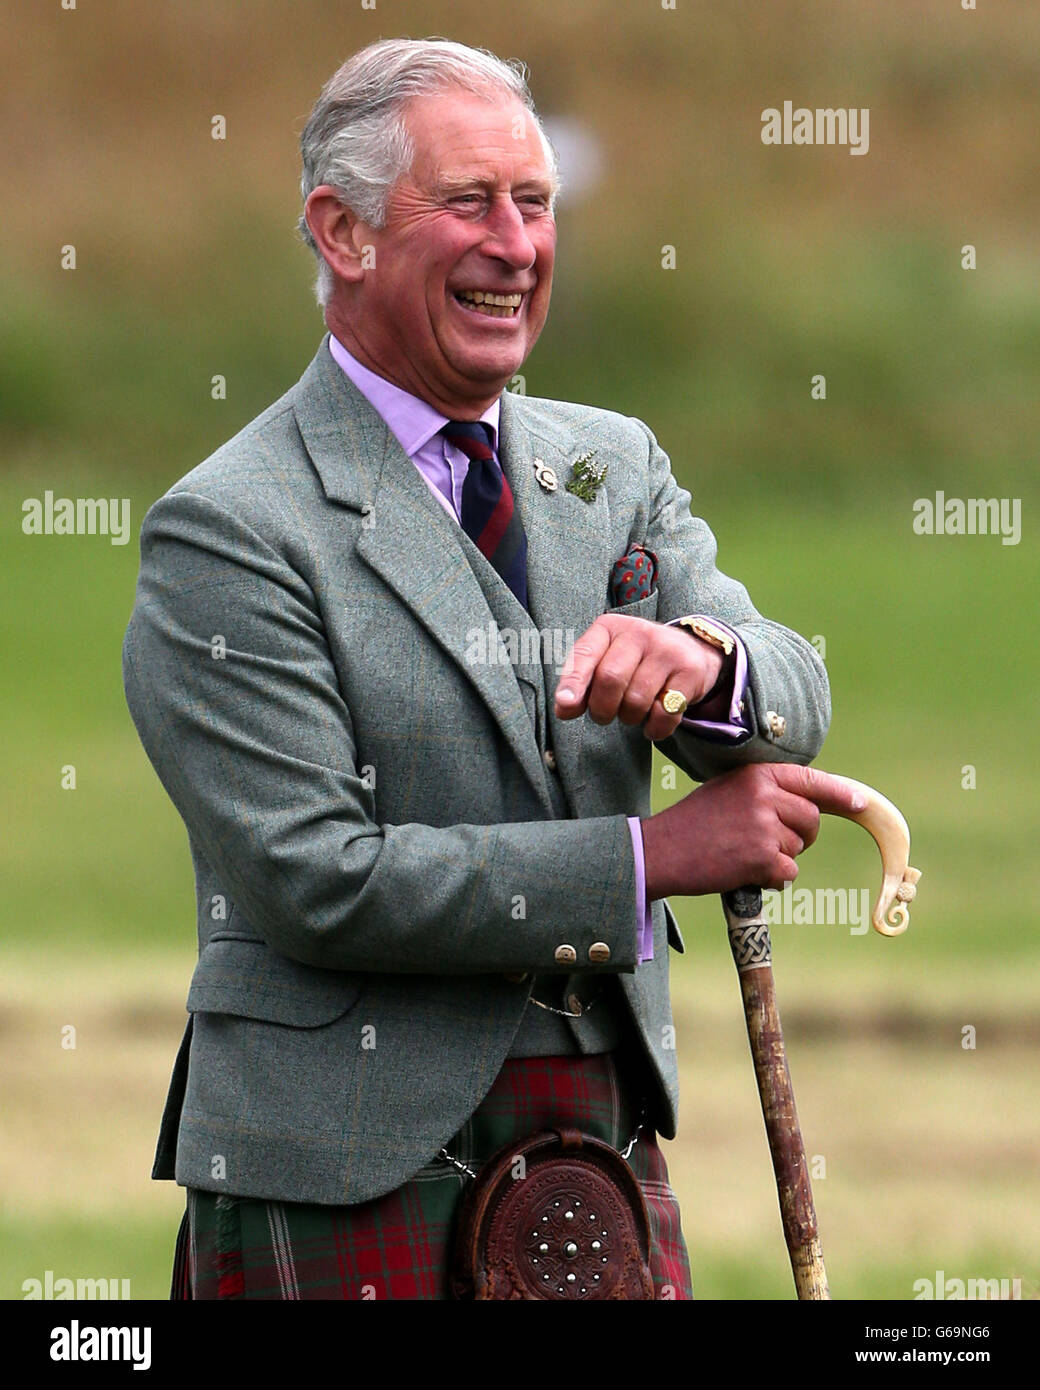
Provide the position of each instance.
(830, 793)
(580, 663)
(800, 815)
(651, 679)
(660, 724)
(789, 842)
(786, 871)
(612, 678)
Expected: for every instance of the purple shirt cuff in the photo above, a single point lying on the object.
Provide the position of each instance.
(737, 728)
(646, 925)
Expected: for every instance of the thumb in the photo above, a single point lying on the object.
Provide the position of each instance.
(838, 796)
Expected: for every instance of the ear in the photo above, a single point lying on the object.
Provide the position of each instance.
(340, 235)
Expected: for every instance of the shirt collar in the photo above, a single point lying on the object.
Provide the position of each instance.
(410, 419)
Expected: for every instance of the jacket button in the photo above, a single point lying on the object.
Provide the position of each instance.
(565, 955)
(599, 952)
(549, 758)
(574, 1004)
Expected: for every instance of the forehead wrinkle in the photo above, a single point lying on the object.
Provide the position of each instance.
(485, 145)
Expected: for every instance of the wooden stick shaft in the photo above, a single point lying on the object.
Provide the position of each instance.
(749, 940)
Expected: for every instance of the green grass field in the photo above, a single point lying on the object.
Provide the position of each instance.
(788, 263)
(930, 1149)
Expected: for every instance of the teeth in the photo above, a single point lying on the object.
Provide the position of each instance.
(498, 301)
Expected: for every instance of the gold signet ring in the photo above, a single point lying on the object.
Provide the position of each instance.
(674, 701)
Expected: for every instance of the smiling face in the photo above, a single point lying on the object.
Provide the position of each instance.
(458, 288)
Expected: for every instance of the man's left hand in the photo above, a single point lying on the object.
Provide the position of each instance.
(618, 668)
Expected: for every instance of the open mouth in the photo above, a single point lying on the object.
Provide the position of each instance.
(491, 305)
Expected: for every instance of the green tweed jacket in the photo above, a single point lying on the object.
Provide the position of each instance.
(365, 791)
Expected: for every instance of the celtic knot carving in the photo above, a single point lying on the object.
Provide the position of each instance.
(750, 945)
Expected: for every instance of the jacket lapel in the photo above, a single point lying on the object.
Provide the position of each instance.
(411, 543)
(567, 540)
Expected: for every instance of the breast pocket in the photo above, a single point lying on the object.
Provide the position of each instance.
(243, 976)
(645, 607)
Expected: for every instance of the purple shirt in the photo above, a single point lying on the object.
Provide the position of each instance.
(416, 425)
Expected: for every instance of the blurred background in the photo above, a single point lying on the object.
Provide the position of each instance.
(789, 262)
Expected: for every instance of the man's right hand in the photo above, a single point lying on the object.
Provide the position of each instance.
(741, 828)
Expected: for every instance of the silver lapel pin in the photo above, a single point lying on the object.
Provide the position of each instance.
(545, 476)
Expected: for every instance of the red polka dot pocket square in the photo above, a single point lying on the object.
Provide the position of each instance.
(633, 576)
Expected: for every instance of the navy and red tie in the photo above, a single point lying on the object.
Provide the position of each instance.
(489, 516)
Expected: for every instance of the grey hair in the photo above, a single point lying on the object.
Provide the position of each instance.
(356, 140)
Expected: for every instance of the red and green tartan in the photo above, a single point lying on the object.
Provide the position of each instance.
(399, 1245)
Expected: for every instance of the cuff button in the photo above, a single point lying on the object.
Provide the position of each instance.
(776, 724)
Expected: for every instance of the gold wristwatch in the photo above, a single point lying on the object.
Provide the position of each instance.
(708, 632)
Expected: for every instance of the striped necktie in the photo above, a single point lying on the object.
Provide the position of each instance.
(489, 516)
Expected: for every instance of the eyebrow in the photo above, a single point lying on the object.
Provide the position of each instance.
(454, 183)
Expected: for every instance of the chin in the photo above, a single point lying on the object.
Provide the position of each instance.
(490, 369)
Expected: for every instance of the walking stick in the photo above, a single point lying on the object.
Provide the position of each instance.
(752, 955)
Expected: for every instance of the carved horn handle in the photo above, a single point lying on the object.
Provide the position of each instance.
(891, 915)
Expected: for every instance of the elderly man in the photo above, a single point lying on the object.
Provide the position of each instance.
(399, 653)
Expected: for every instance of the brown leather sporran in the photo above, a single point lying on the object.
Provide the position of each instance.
(558, 1216)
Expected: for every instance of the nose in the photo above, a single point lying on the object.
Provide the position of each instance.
(507, 236)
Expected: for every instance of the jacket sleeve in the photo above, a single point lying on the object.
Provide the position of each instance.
(785, 673)
(232, 688)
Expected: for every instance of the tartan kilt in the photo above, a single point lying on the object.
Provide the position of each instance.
(399, 1246)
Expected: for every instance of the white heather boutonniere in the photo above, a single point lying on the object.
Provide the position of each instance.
(586, 479)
